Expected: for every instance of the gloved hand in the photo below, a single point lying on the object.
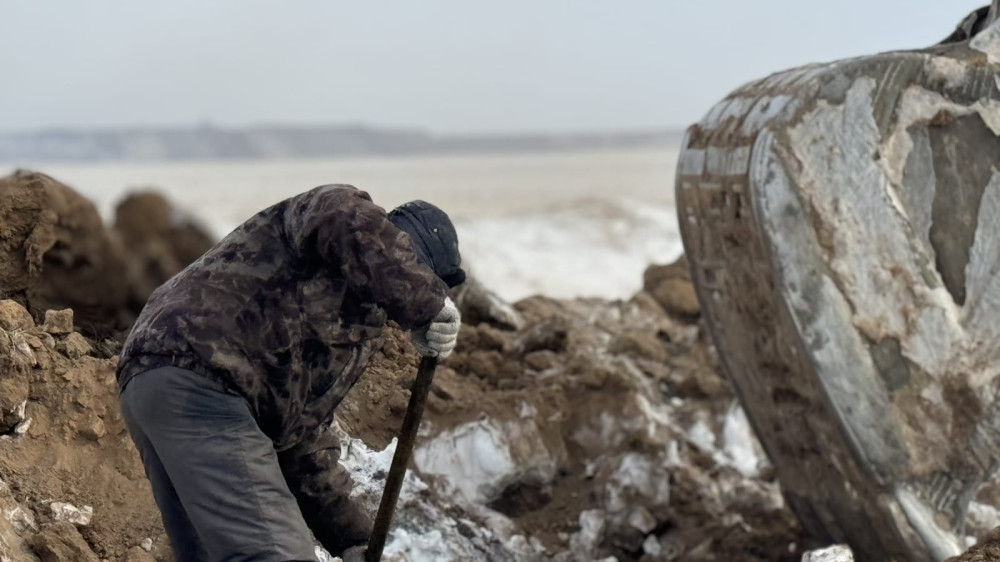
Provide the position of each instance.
(354, 554)
(438, 337)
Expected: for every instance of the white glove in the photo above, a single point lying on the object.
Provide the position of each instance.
(438, 337)
(354, 554)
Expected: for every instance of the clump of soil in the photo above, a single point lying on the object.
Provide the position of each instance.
(61, 542)
(671, 287)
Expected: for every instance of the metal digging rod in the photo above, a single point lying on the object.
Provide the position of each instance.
(401, 458)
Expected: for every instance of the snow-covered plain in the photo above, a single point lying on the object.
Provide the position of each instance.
(561, 223)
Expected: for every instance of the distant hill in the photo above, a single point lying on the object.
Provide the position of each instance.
(268, 142)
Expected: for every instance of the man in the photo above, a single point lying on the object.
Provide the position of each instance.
(230, 377)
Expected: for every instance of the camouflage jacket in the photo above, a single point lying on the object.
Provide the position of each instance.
(289, 308)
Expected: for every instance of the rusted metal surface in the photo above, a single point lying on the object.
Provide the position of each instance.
(843, 227)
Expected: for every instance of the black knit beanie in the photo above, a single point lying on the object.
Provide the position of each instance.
(434, 238)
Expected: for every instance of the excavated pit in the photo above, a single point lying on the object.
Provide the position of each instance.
(559, 430)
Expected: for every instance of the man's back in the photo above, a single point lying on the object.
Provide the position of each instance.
(287, 309)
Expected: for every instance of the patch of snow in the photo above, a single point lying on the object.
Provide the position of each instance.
(638, 475)
(740, 444)
(323, 556)
(582, 249)
(652, 546)
(480, 459)
(836, 553)
(422, 530)
(21, 519)
(23, 427)
(702, 436)
(981, 518)
(584, 543)
(69, 512)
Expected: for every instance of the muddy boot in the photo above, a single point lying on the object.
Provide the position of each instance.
(842, 223)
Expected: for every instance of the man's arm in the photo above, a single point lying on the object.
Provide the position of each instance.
(341, 226)
(323, 490)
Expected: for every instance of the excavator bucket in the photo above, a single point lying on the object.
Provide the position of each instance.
(842, 223)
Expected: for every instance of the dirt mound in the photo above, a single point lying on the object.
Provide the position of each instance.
(160, 242)
(56, 253)
(65, 455)
(62, 439)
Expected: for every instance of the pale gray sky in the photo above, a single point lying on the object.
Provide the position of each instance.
(442, 65)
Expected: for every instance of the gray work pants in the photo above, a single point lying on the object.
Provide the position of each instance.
(215, 475)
